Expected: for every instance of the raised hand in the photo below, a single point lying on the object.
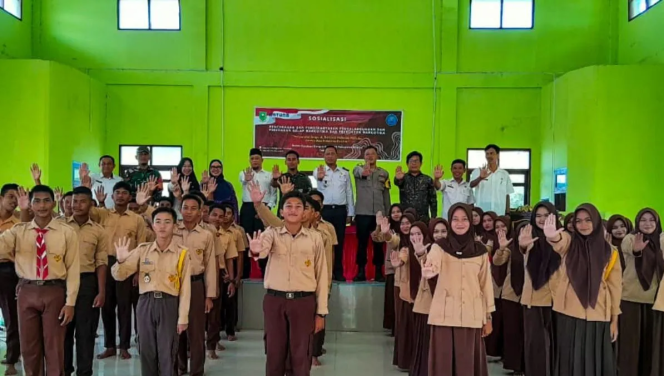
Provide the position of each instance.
(285, 185)
(248, 174)
(385, 225)
(366, 170)
(99, 194)
(502, 239)
(86, 181)
(211, 186)
(478, 239)
(526, 237)
(185, 184)
(255, 245)
(177, 191)
(639, 244)
(205, 176)
(36, 173)
(142, 194)
(276, 174)
(83, 171)
(57, 193)
(608, 237)
(23, 199)
(122, 248)
(550, 230)
(399, 174)
(255, 192)
(153, 181)
(427, 270)
(438, 172)
(320, 173)
(394, 259)
(175, 175)
(419, 246)
(485, 172)
(489, 244)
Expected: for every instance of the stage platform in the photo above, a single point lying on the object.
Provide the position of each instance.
(354, 307)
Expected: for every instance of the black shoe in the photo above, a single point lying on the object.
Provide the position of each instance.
(379, 276)
(360, 277)
(338, 278)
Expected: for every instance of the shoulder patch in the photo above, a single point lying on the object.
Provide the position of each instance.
(344, 168)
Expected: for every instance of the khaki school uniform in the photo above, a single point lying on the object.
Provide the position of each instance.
(8, 282)
(8, 223)
(542, 297)
(632, 291)
(501, 257)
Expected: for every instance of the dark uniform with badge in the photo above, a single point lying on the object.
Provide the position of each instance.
(165, 286)
(136, 176)
(300, 181)
(373, 195)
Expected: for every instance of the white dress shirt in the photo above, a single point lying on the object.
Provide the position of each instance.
(337, 188)
(264, 179)
(454, 193)
(108, 184)
(491, 194)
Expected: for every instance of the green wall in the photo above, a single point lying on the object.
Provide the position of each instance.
(641, 39)
(15, 34)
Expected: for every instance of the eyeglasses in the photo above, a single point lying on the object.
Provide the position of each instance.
(215, 167)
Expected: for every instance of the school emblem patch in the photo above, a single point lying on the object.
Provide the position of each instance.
(307, 263)
(172, 278)
(199, 252)
(57, 258)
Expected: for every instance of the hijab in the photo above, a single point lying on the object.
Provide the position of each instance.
(587, 257)
(615, 241)
(404, 239)
(517, 268)
(432, 226)
(651, 259)
(499, 272)
(224, 191)
(568, 218)
(479, 230)
(193, 181)
(490, 234)
(543, 261)
(394, 225)
(413, 263)
(462, 246)
(412, 212)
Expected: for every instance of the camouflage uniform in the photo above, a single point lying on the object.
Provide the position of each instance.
(301, 183)
(136, 176)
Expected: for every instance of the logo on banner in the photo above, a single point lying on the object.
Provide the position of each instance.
(392, 120)
(262, 115)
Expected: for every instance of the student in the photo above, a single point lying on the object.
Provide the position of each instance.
(478, 226)
(295, 305)
(47, 262)
(9, 279)
(389, 303)
(492, 184)
(568, 224)
(509, 256)
(421, 244)
(587, 298)
(644, 268)
(540, 280)
(491, 224)
(203, 268)
(416, 190)
(455, 190)
(657, 367)
(93, 245)
(165, 292)
(65, 205)
(616, 226)
(460, 313)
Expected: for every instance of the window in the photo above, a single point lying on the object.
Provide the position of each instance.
(148, 14)
(638, 7)
(13, 7)
(501, 14)
(162, 159)
(514, 161)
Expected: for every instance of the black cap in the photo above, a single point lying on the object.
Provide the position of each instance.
(143, 150)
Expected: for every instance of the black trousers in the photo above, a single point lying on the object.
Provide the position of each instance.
(336, 215)
(366, 224)
(8, 282)
(250, 223)
(83, 328)
(228, 310)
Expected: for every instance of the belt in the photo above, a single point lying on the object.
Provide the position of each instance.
(88, 274)
(335, 206)
(50, 282)
(198, 277)
(7, 265)
(290, 295)
(158, 295)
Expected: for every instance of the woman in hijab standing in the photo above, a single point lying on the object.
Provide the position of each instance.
(644, 266)
(616, 226)
(536, 298)
(388, 305)
(510, 257)
(478, 214)
(567, 223)
(587, 298)
(494, 341)
(645, 226)
(224, 193)
(460, 313)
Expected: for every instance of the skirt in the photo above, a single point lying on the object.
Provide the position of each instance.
(404, 338)
(635, 338)
(397, 310)
(494, 342)
(420, 364)
(538, 340)
(657, 368)
(513, 358)
(583, 348)
(388, 306)
(457, 352)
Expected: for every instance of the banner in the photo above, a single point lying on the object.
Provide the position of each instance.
(308, 132)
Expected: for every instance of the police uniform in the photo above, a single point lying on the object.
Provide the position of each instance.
(8, 282)
(43, 291)
(93, 245)
(373, 195)
(337, 190)
(165, 294)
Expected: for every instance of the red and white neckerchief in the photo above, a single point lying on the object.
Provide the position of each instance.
(42, 255)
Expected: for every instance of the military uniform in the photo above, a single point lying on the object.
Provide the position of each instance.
(373, 195)
(165, 294)
(136, 176)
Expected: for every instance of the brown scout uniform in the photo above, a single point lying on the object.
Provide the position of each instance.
(329, 241)
(8, 282)
(165, 295)
(92, 245)
(41, 300)
(223, 309)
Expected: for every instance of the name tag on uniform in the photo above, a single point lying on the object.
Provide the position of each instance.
(147, 262)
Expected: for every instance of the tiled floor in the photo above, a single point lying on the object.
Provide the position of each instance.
(348, 354)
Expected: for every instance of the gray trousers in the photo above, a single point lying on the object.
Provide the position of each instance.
(157, 333)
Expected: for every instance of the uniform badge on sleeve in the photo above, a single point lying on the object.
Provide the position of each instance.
(307, 263)
(172, 278)
(57, 258)
(199, 252)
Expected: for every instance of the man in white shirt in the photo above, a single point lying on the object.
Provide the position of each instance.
(105, 179)
(455, 190)
(248, 217)
(492, 184)
(338, 209)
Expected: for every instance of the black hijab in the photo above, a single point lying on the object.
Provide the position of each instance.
(543, 261)
(479, 230)
(615, 241)
(461, 246)
(651, 259)
(517, 268)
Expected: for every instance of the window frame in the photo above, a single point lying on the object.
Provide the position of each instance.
(149, 28)
(501, 27)
(649, 5)
(20, 7)
(512, 171)
(122, 167)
